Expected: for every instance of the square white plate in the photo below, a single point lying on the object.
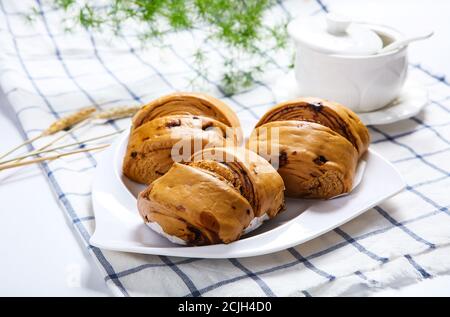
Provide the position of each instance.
(119, 226)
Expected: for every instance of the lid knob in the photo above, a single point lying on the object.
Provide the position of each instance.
(337, 24)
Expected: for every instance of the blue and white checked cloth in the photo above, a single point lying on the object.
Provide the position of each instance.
(47, 73)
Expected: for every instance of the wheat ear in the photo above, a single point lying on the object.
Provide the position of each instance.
(117, 113)
(69, 121)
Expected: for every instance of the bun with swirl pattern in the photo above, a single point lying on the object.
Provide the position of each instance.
(214, 198)
(317, 144)
(196, 120)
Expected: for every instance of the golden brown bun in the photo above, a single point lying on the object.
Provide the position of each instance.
(314, 161)
(189, 117)
(187, 103)
(258, 181)
(317, 143)
(330, 114)
(213, 198)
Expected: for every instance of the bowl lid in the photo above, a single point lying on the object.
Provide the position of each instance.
(335, 35)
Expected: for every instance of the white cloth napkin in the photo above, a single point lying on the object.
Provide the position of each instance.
(47, 73)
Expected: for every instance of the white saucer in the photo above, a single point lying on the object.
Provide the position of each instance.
(412, 99)
(119, 227)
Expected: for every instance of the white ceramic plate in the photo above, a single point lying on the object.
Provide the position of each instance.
(119, 226)
(412, 99)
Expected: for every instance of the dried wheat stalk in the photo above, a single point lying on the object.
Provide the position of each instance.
(110, 114)
(62, 136)
(72, 121)
(117, 113)
(46, 150)
(50, 158)
(61, 124)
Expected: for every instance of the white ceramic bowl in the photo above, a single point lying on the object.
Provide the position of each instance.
(362, 83)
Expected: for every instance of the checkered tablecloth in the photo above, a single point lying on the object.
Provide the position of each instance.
(47, 73)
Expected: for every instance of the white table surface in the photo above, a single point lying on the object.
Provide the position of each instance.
(42, 256)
